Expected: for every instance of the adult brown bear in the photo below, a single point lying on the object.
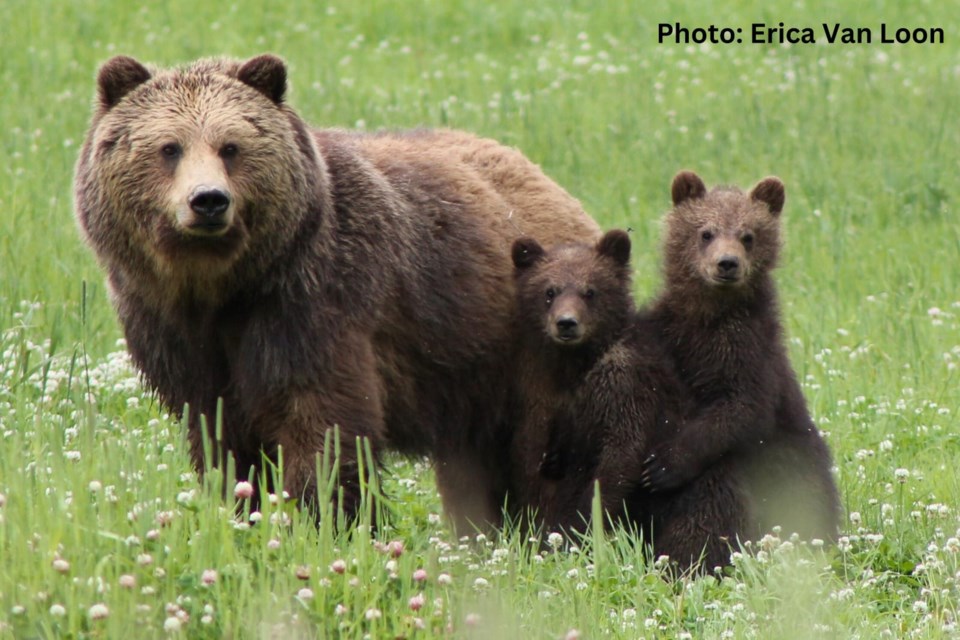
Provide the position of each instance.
(312, 278)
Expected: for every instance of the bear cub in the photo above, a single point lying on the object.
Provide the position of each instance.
(588, 395)
(747, 447)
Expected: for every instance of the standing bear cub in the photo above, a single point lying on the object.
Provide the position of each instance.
(592, 387)
(747, 456)
(312, 278)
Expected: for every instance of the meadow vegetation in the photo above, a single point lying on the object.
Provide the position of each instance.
(105, 530)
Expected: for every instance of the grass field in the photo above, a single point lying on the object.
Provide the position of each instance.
(105, 531)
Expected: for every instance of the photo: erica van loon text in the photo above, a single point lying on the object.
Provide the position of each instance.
(780, 33)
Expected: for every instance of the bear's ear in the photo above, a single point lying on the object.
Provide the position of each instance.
(615, 244)
(526, 252)
(687, 185)
(117, 77)
(267, 74)
(770, 191)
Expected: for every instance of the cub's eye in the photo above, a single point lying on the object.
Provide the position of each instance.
(589, 293)
(229, 150)
(551, 294)
(171, 150)
(747, 240)
(706, 235)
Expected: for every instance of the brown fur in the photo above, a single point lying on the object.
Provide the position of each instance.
(577, 399)
(747, 457)
(312, 278)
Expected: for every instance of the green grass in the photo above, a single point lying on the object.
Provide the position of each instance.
(100, 506)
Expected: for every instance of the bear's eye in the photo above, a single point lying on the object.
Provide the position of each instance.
(747, 240)
(589, 293)
(706, 235)
(171, 150)
(229, 151)
(551, 294)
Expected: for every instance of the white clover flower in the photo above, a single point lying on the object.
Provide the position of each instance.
(416, 602)
(281, 518)
(243, 490)
(555, 540)
(172, 624)
(98, 611)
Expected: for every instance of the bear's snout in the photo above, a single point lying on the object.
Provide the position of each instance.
(728, 267)
(567, 328)
(211, 206)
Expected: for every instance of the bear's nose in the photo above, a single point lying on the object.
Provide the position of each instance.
(209, 203)
(728, 265)
(567, 326)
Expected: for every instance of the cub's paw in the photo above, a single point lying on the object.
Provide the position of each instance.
(552, 465)
(665, 468)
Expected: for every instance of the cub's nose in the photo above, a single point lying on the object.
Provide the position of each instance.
(210, 204)
(568, 328)
(728, 265)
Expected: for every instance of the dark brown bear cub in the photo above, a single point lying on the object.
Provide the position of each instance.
(312, 278)
(587, 397)
(748, 445)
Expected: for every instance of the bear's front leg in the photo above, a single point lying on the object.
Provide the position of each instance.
(736, 424)
(301, 419)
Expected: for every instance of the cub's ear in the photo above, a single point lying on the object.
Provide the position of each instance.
(526, 252)
(267, 74)
(615, 244)
(686, 186)
(117, 77)
(770, 191)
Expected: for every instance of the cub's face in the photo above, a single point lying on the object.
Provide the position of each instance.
(724, 237)
(187, 164)
(574, 294)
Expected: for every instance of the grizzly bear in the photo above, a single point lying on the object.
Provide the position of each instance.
(747, 456)
(287, 280)
(592, 388)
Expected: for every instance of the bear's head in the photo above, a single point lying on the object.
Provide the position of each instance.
(574, 295)
(724, 239)
(184, 170)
